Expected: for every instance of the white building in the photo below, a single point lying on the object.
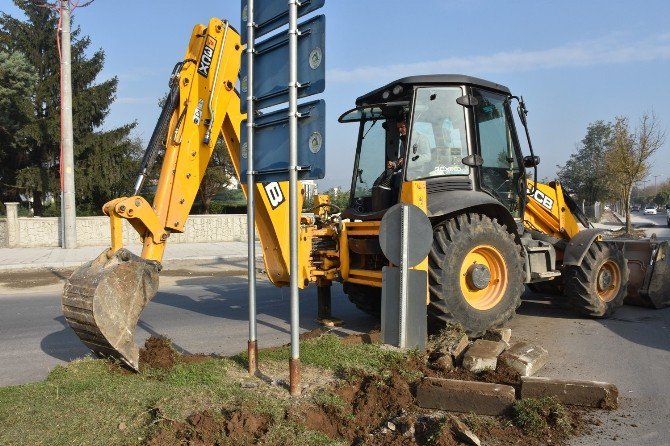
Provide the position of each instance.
(310, 189)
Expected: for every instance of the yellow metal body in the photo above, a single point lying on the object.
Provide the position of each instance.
(548, 213)
(412, 192)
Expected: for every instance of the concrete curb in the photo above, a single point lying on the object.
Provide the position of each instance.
(465, 396)
(579, 393)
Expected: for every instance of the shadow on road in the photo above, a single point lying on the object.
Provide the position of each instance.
(63, 344)
(226, 298)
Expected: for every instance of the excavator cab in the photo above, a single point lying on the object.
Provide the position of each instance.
(455, 133)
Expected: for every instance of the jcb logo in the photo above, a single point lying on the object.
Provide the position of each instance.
(274, 193)
(207, 56)
(542, 199)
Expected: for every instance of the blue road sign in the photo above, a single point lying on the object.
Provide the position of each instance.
(271, 144)
(271, 65)
(272, 14)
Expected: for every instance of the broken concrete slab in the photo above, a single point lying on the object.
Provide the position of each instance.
(458, 348)
(464, 396)
(525, 358)
(463, 432)
(579, 393)
(482, 355)
(499, 334)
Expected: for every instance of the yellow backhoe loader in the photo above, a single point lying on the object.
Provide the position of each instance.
(444, 143)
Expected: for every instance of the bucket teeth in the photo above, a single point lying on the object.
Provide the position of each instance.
(103, 299)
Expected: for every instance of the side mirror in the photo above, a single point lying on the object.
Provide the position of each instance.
(531, 161)
(473, 161)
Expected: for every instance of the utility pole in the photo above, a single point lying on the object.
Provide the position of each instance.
(655, 187)
(68, 208)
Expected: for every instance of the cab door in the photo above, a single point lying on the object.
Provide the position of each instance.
(501, 174)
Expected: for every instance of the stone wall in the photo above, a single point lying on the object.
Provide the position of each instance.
(95, 231)
(3, 233)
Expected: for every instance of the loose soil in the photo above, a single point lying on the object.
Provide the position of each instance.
(361, 408)
(206, 428)
(158, 353)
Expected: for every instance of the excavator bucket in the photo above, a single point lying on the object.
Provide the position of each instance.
(649, 265)
(103, 299)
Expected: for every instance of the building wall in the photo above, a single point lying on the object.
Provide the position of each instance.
(3, 233)
(95, 231)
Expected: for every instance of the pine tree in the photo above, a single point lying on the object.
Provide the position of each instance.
(17, 81)
(104, 160)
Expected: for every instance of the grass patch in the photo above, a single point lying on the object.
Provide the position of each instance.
(88, 402)
(92, 402)
(328, 352)
(293, 434)
(535, 416)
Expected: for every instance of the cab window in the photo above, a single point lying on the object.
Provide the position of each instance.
(437, 144)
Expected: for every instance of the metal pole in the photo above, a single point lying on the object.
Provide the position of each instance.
(68, 208)
(404, 235)
(252, 347)
(294, 361)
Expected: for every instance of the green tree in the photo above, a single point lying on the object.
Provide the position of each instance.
(218, 174)
(628, 157)
(583, 173)
(104, 160)
(17, 81)
(339, 197)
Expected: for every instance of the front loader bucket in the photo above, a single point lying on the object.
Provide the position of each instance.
(649, 265)
(103, 299)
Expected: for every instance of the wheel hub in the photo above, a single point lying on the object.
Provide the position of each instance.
(479, 276)
(483, 277)
(608, 281)
(605, 279)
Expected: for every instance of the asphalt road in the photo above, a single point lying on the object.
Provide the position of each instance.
(209, 315)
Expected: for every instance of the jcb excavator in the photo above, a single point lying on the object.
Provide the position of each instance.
(445, 143)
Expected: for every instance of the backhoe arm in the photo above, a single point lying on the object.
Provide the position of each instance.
(102, 300)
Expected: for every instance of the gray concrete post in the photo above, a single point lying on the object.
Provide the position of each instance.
(68, 209)
(13, 239)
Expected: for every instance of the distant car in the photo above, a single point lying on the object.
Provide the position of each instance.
(650, 210)
(635, 208)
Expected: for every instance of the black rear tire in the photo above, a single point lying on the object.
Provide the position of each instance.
(455, 240)
(366, 298)
(598, 286)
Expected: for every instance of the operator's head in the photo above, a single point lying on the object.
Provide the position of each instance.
(402, 128)
(400, 123)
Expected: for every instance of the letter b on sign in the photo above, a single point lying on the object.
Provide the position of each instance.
(274, 193)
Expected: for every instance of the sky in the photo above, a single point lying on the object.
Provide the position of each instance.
(574, 62)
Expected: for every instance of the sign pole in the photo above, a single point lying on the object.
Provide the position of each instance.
(294, 361)
(252, 346)
(404, 239)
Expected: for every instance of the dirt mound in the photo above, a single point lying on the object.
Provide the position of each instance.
(206, 428)
(158, 353)
(312, 334)
(245, 427)
(374, 337)
(368, 409)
